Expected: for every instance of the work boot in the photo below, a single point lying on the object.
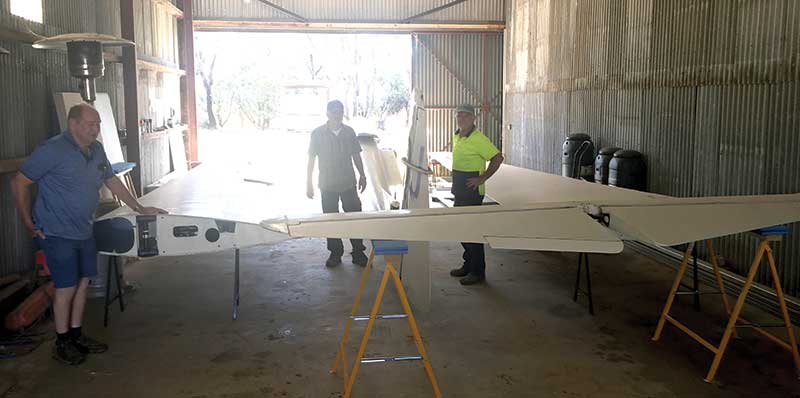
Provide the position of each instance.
(359, 258)
(472, 279)
(333, 261)
(459, 272)
(66, 352)
(88, 345)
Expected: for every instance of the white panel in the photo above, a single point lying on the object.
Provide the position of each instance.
(416, 264)
(379, 176)
(108, 126)
(178, 151)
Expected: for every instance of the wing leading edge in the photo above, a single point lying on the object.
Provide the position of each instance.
(550, 228)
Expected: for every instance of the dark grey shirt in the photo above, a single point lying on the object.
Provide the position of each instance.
(335, 153)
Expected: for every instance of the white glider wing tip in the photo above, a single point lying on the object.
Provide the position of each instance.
(670, 225)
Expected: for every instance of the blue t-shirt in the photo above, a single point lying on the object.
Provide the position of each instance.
(69, 182)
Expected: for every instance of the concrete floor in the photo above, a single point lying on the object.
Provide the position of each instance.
(520, 335)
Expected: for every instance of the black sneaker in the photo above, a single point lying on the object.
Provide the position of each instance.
(359, 258)
(459, 272)
(472, 279)
(67, 353)
(333, 261)
(88, 345)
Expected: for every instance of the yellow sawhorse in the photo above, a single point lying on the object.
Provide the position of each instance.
(392, 256)
(734, 315)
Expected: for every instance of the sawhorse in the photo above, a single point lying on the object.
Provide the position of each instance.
(734, 319)
(392, 252)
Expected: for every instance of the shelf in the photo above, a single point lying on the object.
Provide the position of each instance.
(158, 66)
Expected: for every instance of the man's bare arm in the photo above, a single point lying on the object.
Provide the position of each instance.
(310, 177)
(362, 180)
(118, 188)
(494, 164)
(20, 188)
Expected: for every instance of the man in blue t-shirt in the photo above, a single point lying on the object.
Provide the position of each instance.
(69, 170)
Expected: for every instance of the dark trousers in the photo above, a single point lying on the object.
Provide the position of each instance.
(350, 203)
(474, 256)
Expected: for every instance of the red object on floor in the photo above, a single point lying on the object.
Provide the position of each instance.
(41, 263)
(31, 309)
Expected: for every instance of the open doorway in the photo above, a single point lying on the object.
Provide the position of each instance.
(259, 95)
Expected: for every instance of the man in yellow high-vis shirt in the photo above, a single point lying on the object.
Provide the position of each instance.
(471, 150)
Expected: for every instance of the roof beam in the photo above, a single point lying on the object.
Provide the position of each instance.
(285, 11)
(251, 25)
(435, 10)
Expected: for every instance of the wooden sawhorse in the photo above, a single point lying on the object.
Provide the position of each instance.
(734, 319)
(392, 252)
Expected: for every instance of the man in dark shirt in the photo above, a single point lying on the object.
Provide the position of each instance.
(337, 148)
(68, 170)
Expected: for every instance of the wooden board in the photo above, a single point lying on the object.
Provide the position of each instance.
(11, 165)
(9, 291)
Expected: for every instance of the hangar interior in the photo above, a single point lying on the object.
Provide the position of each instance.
(704, 94)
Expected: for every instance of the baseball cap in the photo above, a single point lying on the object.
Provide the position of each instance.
(466, 108)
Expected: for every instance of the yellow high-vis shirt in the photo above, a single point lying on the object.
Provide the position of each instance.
(471, 153)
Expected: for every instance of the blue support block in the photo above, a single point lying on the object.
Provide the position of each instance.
(773, 230)
(123, 166)
(384, 247)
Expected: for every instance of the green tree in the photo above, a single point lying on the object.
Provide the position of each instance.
(396, 96)
(257, 96)
(219, 92)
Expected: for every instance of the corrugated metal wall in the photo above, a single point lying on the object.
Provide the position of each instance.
(28, 78)
(349, 10)
(450, 69)
(708, 90)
